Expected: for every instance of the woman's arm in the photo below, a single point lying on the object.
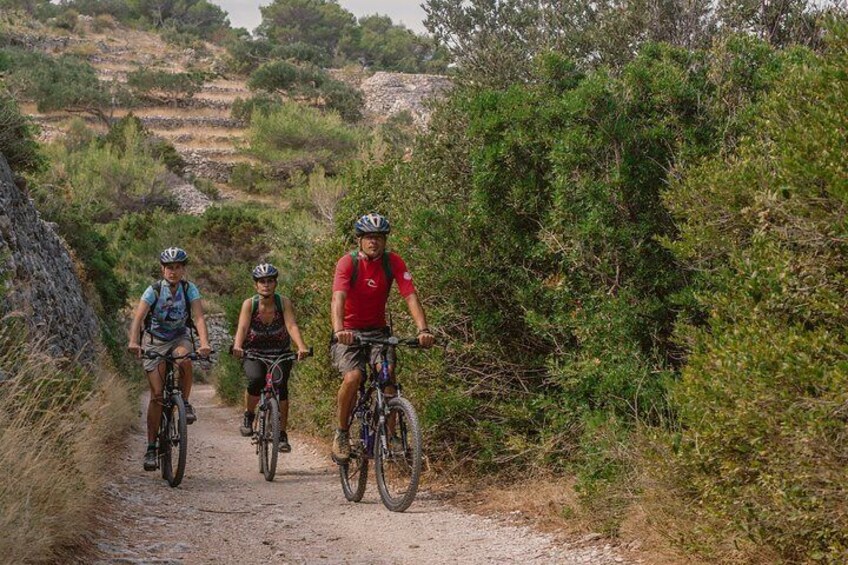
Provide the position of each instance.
(135, 327)
(200, 324)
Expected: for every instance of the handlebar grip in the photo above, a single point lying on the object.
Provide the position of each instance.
(311, 352)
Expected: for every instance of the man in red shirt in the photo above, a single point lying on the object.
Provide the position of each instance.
(359, 308)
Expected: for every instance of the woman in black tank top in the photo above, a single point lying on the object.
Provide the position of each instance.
(267, 324)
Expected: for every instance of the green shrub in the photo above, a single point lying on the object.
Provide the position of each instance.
(17, 141)
(761, 447)
(166, 85)
(263, 103)
(294, 133)
(101, 181)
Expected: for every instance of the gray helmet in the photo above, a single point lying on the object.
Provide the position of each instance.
(173, 255)
(371, 223)
(265, 270)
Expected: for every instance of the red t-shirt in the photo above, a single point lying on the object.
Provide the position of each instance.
(365, 306)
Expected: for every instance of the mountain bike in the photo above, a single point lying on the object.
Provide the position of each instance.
(172, 437)
(386, 430)
(266, 422)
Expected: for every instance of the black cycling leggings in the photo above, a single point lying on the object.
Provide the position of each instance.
(255, 371)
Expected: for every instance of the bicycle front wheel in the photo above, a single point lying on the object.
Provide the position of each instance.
(269, 438)
(398, 456)
(354, 473)
(173, 441)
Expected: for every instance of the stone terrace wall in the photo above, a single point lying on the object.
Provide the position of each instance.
(38, 278)
(387, 94)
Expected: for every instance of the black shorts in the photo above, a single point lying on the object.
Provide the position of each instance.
(255, 372)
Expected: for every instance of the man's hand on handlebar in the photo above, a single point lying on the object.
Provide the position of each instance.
(345, 337)
(204, 351)
(425, 338)
(238, 352)
(303, 354)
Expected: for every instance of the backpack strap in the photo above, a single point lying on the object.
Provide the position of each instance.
(354, 255)
(189, 321)
(387, 268)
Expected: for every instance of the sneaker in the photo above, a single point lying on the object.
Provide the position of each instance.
(285, 446)
(246, 428)
(150, 459)
(191, 417)
(341, 446)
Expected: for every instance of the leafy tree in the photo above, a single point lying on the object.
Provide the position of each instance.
(65, 83)
(319, 23)
(493, 40)
(380, 44)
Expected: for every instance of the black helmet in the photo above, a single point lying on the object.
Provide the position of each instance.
(265, 270)
(173, 255)
(371, 223)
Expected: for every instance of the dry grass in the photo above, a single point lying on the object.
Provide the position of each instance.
(57, 427)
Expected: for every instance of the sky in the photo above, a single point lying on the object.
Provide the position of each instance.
(245, 13)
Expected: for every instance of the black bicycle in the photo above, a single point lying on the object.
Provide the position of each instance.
(266, 423)
(172, 437)
(385, 430)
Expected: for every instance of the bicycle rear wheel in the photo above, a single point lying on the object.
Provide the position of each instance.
(354, 473)
(173, 440)
(269, 438)
(399, 470)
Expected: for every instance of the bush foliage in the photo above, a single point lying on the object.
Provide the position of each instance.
(658, 246)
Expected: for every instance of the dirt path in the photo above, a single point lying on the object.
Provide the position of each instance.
(225, 512)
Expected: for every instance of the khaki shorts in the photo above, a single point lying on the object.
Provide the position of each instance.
(163, 348)
(347, 358)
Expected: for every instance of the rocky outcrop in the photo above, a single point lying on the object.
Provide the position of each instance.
(38, 281)
(387, 94)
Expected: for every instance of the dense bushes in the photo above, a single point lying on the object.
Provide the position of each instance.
(761, 402)
(580, 296)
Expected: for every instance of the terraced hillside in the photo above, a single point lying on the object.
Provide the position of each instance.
(200, 127)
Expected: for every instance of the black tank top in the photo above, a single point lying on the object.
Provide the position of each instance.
(268, 337)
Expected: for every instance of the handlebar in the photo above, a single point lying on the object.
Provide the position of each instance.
(148, 354)
(391, 340)
(291, 356)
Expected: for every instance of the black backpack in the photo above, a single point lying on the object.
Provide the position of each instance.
(157, 289)
(387, 268)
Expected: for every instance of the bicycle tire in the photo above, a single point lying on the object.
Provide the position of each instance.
(354, 473)
(270, 442)
(163, 437)
(173, 440)
(259, 433)
(398, 474)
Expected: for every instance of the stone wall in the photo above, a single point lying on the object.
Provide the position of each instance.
(387, 94)
(38, 281)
